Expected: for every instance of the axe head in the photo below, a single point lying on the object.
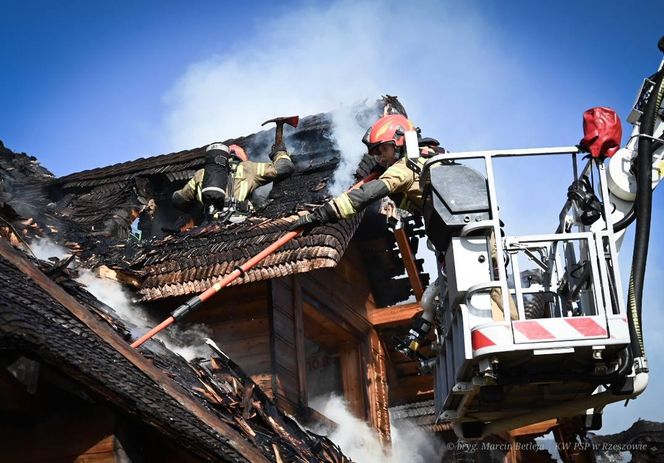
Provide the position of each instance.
(280, 121)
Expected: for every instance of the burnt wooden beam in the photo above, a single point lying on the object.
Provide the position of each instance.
(409, 262)
(170, 387)
(395, 315)
(377, 387)
(104, 271)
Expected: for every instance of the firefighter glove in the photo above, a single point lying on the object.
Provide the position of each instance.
(277, 147)
(319, 216)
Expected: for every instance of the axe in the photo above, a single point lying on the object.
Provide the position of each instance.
(280, 121)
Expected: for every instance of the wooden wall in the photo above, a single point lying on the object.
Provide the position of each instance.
(239, 318)
(54, 420)
(261, 326)
(341, 298)
(287, 330)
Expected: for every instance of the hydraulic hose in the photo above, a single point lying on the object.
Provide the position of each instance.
(625, 221)
(643, 208)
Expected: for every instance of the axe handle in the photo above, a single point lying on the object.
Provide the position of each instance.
(279, 134)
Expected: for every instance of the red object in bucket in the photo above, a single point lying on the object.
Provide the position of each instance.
(602, 132)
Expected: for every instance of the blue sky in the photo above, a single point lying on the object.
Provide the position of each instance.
(92, 83)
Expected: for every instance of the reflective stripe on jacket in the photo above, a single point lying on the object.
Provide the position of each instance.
(398, 178)
(246, 177)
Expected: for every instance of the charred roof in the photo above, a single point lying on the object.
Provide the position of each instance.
(208, 406)
(88, 212)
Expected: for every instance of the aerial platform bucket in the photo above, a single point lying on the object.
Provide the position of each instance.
(528, 325)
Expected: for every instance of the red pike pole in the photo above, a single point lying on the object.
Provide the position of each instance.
(195, 301)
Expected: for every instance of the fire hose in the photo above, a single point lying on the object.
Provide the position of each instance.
(197, 300)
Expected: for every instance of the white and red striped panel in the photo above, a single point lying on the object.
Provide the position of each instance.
(619, 327)
(559, 329)
(497, 335)
(491, 335)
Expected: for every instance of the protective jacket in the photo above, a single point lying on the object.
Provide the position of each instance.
(398, 179)
(244, 178)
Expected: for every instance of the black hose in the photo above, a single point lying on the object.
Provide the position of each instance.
(625, 221)
(643, 208)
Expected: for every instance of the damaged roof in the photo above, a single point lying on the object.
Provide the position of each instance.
(185, 263)
(207, 406)
(79, 206)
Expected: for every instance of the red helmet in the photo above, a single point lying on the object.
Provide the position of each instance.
(388, 129)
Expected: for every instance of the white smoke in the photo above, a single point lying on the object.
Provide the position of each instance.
(189, 342)
(461, 80)
(303, 63)
(44, 249)
(349, 123)
(440, 60)
(361, 443)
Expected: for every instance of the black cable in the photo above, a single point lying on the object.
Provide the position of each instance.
(625, 221)
(643, 208)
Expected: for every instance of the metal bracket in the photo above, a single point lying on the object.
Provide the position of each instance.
(412, 151)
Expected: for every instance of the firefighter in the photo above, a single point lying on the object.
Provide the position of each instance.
(222, 189)
(386, 143)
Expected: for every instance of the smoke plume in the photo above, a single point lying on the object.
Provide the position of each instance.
(349, 123)
(325, 58)
(189, 342)
(44, 249)
(361, 443)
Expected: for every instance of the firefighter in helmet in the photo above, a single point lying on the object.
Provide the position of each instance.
(385, 141)
(223, 188)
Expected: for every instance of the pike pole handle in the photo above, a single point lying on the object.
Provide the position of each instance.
(197, 300)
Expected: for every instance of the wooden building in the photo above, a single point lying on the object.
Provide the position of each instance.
(319, 316)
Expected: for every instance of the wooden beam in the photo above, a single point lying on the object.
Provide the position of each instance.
(409, 262)
(535, 429)
(323, 290)
(298, 314)
(351, 374)
(106, 272)
(324, 330)
(376, 387)
(395, 315)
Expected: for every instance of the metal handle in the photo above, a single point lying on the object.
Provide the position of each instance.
(470, 292)
(481, 225)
